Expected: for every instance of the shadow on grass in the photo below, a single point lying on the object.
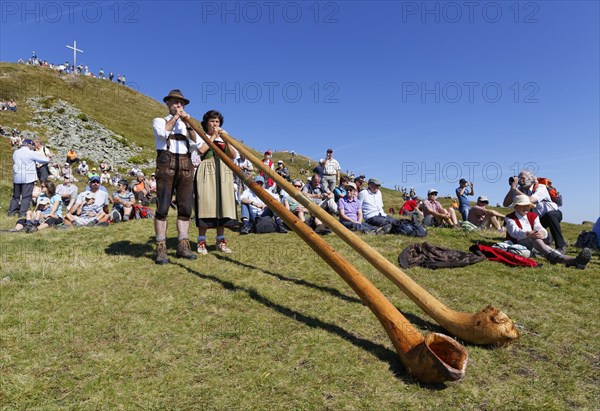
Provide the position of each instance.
(329, 290)
(419, 322)
(377, 350)
(126, 247)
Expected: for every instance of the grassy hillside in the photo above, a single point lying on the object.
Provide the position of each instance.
(88, 321)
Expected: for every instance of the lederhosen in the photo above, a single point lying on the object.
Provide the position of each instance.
(174, 173)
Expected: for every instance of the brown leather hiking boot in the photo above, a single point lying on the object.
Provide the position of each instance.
(161, 253)
(184, 250)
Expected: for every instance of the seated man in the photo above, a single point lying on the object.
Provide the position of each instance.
(82, 168)
(483, 218)
(411, 209)
(282, 170)
(319, 194)
(93, 172)
(253, 207)
(68, 192)
(372, 206)
(123, 201)
(85, 212)
(523, 227)
(351, 215)
(105, 177)
(550, 216)
(91, 213)
(435, 214)
(141, 189)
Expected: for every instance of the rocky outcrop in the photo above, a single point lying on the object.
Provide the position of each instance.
(67, 126)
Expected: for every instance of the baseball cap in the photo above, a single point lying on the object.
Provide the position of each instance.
(268, 152)
(483, 199)
(43, 200)
(88, 195)
(462, 180)
(259, 179)
(330, 150)
(431, 191)
(375, 181)
(280, 162)
(27, 142)
(94, 178)
(350, 185)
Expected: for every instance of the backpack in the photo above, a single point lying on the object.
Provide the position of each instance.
(587, 239)
(263, 225)
(141, 211)
(555, 196)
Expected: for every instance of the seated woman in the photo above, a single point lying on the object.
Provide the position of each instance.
(123, 201)
(351, 215)
(48, 211)
(292, 204)
(523, 227)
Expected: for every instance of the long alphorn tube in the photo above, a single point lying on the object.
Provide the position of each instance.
(432, 359)
(489, 326)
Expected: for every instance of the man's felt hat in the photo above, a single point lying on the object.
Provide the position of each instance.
(176, 93)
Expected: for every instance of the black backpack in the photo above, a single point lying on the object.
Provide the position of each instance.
(587, 239)
(263, 225)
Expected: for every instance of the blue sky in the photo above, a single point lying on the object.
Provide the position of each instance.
(415, 93)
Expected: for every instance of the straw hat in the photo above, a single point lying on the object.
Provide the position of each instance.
(522, 200)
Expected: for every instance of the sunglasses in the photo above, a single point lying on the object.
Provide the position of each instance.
(297, 186)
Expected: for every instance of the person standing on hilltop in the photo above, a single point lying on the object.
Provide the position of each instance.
(173, 137)
(331, 170)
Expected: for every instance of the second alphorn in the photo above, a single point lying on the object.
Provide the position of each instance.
(434, 358)
(489, 326)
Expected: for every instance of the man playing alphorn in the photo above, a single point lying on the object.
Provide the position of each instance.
(174, 172)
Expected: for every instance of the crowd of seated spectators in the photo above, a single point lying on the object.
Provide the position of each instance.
(357, 204)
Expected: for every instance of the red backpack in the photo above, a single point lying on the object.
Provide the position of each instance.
(555, 196)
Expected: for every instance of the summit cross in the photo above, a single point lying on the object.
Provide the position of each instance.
(75, 50)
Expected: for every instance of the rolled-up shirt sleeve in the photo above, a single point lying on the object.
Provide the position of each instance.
(158, 124)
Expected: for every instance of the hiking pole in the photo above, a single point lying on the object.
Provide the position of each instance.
(488, 326)
(434, 358)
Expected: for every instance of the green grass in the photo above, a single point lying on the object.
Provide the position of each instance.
(90, 322)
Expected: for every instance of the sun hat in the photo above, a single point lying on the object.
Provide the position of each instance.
(375, 181)
(43, 200)
(280, 162)
(482, 199)
(431, 191)
(522, 200)
(176, 93)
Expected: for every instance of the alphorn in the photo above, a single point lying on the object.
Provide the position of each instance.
(434, 358)
(489, 326)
